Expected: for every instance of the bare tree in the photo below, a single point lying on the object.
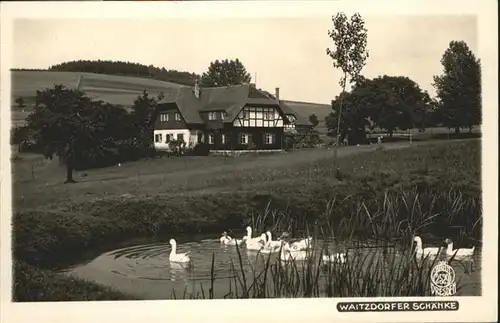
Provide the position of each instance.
(349, 54)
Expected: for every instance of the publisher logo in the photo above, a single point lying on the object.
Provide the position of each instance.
(443, 280)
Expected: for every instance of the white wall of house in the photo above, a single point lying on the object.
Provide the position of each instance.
(160, 137)
(254, 117)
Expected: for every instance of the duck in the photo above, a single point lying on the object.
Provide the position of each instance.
(425, 252)
(459, 254)
(227, 240)
(336, 257)
(178, 257)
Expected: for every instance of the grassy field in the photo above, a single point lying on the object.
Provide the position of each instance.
(434, 187)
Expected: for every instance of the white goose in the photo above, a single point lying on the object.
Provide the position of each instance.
(254, 243)
(227, 240)
(270, 242)
(462, 253)
(303, 244)
(271, 246)
(335, 257)
(424, 253)
(177, 257)
(294, 255)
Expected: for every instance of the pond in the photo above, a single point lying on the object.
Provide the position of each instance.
(142, 268)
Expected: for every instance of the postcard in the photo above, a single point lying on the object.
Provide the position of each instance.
(286, 160)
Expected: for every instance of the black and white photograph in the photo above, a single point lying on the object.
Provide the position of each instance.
(284, 152)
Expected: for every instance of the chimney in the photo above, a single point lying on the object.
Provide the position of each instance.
(277, 94)
(197, 88)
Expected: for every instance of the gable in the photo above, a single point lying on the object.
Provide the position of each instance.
(259, 116)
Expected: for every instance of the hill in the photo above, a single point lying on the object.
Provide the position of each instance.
(121, 68)
(109, 88)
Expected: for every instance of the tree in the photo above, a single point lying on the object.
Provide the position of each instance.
(313, 119)
(354, 116)
(459, 87)
(143, 112)
(390, 102)
(225, 73)
(401, 104)
(67, 124)
(126, 68)
(20, 103)
(19, 136)
(349, 55)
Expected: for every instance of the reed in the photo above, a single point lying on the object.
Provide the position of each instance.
(380, 264)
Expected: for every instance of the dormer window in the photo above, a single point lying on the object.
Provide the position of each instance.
(177, 116)
(212, 115)
(163, 117)
(291, 117)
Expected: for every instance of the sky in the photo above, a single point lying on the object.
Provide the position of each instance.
(289, 53)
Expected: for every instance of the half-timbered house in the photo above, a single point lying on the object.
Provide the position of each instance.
(230, 118)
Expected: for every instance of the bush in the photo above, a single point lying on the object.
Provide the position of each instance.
(200, 149)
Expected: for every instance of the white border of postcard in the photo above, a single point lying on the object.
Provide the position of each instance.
(483, 308)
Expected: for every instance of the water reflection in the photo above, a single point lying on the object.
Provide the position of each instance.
(179, 271)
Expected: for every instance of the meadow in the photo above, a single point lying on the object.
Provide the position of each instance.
(432, 189)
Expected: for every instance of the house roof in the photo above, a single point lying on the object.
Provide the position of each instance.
(230, 99)
(299, 119)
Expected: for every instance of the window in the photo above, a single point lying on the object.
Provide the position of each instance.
(246, 115)
(211, 139)
(291, 117)
(243, 138)
(177, 116)
(200, 137)
(225, 138)
(158, 137)
(212, 115)
(268, 115)
(180, 137)
(269, 138)
(168, 138)
(223, 115)
(163, 117)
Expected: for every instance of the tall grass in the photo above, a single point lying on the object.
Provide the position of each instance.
(381, 264)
